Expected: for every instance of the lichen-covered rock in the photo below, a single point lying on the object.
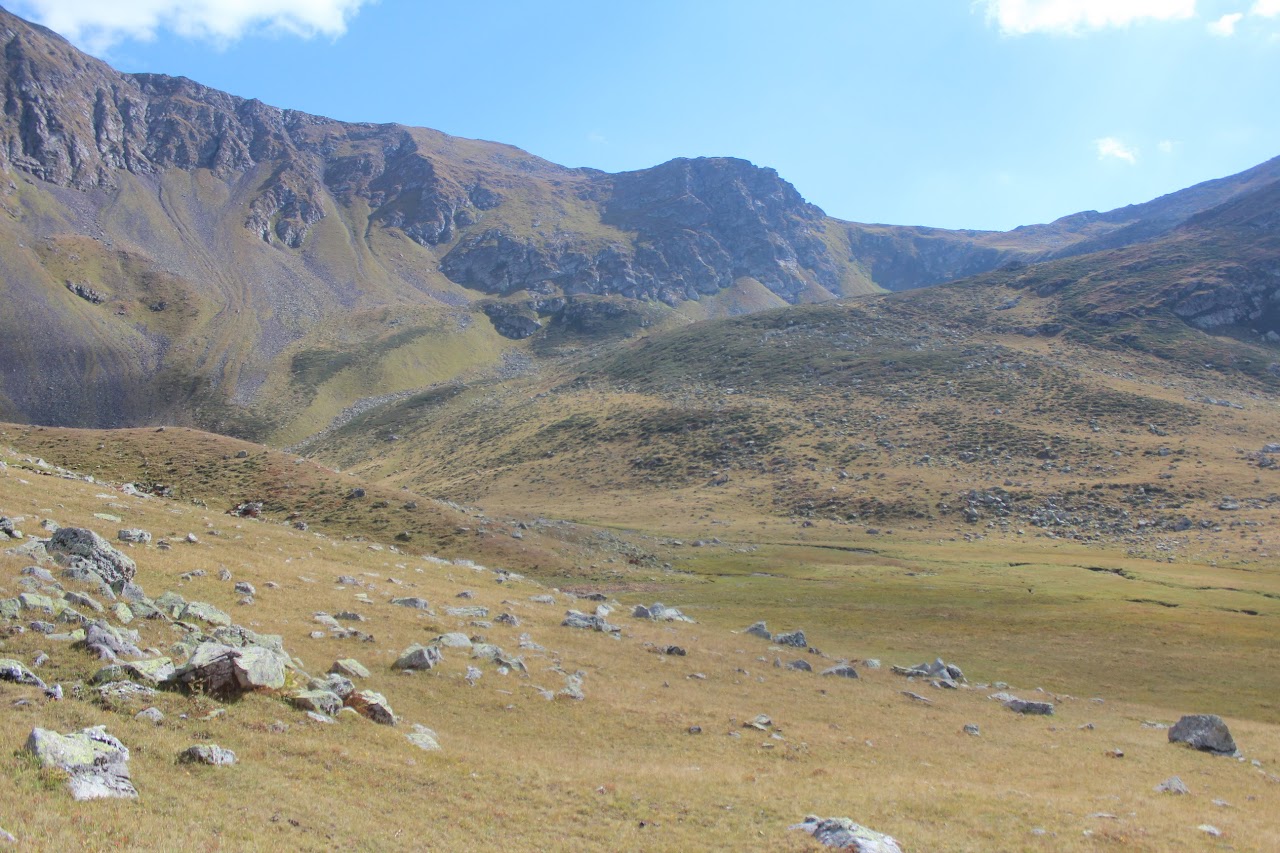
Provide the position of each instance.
(423, 738)
(659, 612)
(108, 642)
(1173, 785)
(412, 602)
(205, 613)
(841, 670)
(336, 684)
(14, 671)
(349, 668)
(153, 671)
(96, 763)
(222, 670)
(1024, 706)
(758, 629)
(452, 640)
(577, 619)
(843, 834)
(1205, 732)
(101, 557)
(373, 706)
(791, 638)
(320, 701)
(207, 753)
(134, 535)
(474, 612)
(123, 692)
(419, 657)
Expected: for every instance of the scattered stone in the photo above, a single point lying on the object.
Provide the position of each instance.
(88, 550)
(135, 535)
(412, 602)
(205, 613)
(43, 575)
(938, 669)
(573, 686)
(843, 834)
(423, 738)
(695, 730)
(124, 692)
(224, 574)
(245, 588)
(659, 612)
(150, 715)
(1210, 829)
(373, 706)
(96, 763)
(509, 619)
(1115, 753)
(758, 629)
(419, 657)
(917, 697)
(1023, 706)
(349, 668)
(467, 612)
(14, 671)
(207, 753)
(320, 701)
(802, 665)
(972, 729)
(793, 638)
(543, 599)
(576, 619)
(1205, 732)
(761, 722)
(1173, 785)
(841, 670)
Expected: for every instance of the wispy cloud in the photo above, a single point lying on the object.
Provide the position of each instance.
(99, 24)
(1111, 148)
(1226, 25)
(1266, 8)
(1166, 146)
(1074, 17)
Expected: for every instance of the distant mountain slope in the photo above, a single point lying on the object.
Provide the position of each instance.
(179, 254)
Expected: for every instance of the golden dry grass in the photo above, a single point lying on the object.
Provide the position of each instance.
(617, 771)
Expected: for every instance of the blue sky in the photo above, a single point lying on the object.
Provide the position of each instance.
(953, 113)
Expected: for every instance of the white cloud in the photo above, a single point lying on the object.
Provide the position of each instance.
(1072, 17)
(1266, 8)
(1226, 25)
(1111, 148)
(99, 24)
(1166, 146)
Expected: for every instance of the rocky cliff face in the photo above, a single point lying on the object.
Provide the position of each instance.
(694, 227)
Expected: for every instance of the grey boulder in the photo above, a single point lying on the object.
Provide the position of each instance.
(1023, 706)
(102, 558)
(207, 753)
(791, 638)
(843, 834)
(226, 671)
(1206, 732)
(96, 764)
(419, 657)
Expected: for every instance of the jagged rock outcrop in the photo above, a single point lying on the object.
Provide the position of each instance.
(695, 227)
